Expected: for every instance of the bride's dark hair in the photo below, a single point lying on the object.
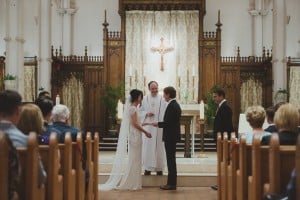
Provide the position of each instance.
(134, 94)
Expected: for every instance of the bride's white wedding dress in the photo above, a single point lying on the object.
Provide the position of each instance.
(126, 172)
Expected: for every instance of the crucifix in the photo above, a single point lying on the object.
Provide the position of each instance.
(162, 50)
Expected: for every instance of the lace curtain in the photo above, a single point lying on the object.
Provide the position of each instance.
(294, 84)
(179, 30)
(251, 94)
(29, 83)
(74, 100)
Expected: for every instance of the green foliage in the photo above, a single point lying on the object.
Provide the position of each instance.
(211, 107)
(284, 91)
(9, 77)
(110, 100)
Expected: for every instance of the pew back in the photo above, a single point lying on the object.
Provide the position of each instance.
(4, 160)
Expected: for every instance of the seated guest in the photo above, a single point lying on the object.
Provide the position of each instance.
(46, 106)
(60, 116)
(255, 115)
(10, 108)
(31, 119)
(286, 120)
(44, 94)
(270, 119)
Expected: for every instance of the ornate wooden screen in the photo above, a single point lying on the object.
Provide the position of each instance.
(2, 68)
(89, 70)
(236, 70)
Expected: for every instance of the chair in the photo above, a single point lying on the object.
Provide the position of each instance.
(29, 158)
(260, 169)
(90, 166)
(77, 165)
(4, 168)
(219, 161)
(95, 161)
(67, 170)
(224, 164)
(244, 169)
(50, 158)
(233, 167)
(281, 163)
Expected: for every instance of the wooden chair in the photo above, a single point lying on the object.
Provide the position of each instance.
(90, 166)
(244, 169)
(219, 161)
(50, 158)
(298, 168)
(233, 167)
(77, 165)
(95, 152)
(29, 160)
(224, 165)
(4, 168)
(281, 163)
(260, 169)
(67, 170)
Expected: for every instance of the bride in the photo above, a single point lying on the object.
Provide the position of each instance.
(126, 173)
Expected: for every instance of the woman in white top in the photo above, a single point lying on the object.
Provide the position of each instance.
(126, 173)
(255, 116)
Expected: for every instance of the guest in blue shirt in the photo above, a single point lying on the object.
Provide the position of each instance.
(60, 117)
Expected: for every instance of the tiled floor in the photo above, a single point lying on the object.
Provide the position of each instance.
(154, 193)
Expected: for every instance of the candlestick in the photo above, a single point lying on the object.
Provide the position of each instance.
(130, 70)
(194, 71)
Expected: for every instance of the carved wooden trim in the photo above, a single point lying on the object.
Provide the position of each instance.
(160, 5)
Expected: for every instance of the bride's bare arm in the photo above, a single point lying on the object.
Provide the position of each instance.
(136, 124)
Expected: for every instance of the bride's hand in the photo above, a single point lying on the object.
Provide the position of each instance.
(148, 135)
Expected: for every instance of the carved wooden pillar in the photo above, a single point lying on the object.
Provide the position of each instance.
(186, 121)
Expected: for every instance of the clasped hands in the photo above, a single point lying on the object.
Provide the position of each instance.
(150, 123)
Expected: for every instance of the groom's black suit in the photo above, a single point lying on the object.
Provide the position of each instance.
(171, 135)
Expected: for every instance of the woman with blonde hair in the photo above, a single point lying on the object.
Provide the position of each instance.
(255, 116)
(31, 119)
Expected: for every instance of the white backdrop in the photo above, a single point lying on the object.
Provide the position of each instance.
(179, 29)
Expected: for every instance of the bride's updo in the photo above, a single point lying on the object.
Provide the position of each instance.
(134, 94)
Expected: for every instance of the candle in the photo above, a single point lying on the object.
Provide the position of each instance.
(130, 70)
(120, 109)
(201, 110)
(194, 71)
(57, 100)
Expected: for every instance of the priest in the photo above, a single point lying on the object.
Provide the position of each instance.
(153, 151)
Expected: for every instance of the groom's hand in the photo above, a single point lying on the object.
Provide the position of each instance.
(154, 124)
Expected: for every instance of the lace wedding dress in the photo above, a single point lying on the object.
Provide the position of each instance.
(126, 170)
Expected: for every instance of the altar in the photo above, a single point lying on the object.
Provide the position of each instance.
(190, 125)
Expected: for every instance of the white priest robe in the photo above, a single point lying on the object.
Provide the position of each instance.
(153, 150)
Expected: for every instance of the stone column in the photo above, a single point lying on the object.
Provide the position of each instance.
(44, 72)
(279, 45)
(67, 28)
(14, 41)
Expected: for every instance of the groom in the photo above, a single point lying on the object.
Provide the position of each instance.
(171, 135)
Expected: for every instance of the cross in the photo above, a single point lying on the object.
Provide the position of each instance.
(162, 50)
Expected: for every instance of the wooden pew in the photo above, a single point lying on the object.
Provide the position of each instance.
(281, 164)
(224, 164)
(90, 166)
(260, 169)
(67, 170)
(219, 161)
(95, 152)
(50, 158)
(298, 168)
(233, 167)
(4, 168)
(77, 165)
(28, 188)
(244, 169)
